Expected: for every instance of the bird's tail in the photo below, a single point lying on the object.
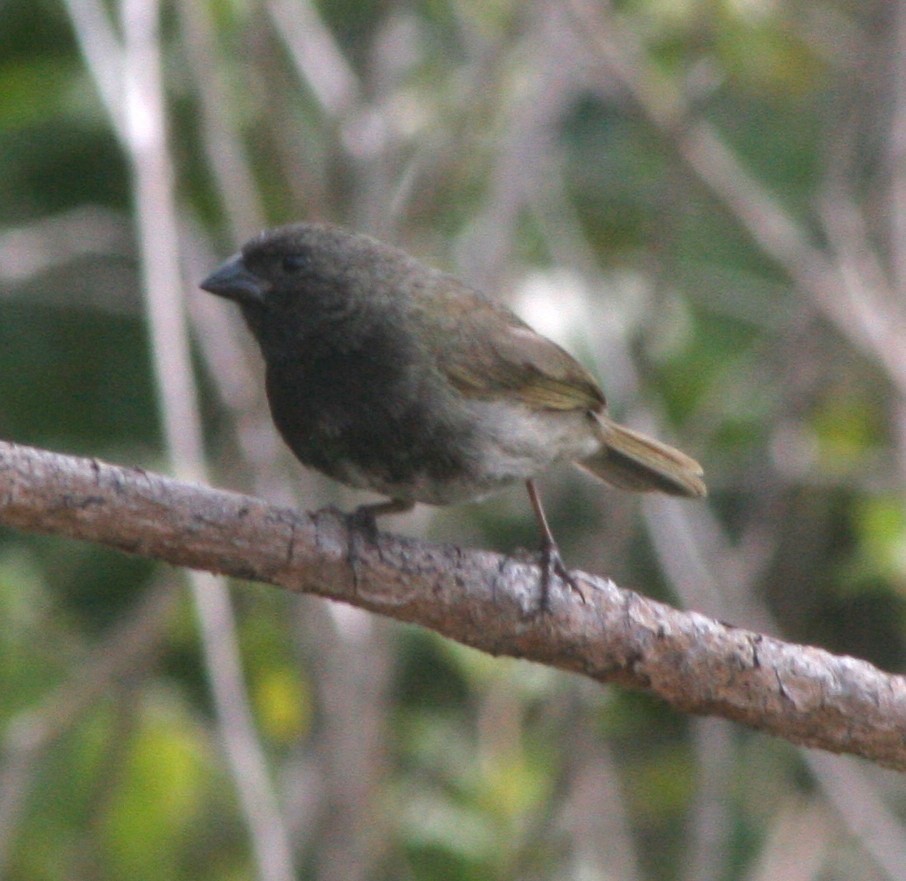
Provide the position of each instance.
(630, 460)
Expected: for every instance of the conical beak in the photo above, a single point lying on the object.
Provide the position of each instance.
(234, 281)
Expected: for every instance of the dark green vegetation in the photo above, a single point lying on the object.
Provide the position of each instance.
(556, 157)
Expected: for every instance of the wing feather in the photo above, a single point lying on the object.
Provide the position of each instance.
(487, 352)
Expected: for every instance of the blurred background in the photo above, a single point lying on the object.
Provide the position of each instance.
(705, 200)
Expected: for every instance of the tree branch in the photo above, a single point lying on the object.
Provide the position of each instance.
(482, 599)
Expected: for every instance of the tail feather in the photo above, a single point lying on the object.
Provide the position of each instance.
(631, 460)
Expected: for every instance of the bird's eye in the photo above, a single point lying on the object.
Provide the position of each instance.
(293, 263)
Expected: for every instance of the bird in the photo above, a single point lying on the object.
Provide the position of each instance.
(389, 375)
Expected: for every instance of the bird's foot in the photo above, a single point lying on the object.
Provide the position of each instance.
(363, 523)
(363, 528)
(552, 564)
(363, 532)
(551, 561)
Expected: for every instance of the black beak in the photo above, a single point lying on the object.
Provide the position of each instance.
(234, 281)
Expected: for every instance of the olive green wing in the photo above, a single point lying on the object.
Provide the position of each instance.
(487, 352)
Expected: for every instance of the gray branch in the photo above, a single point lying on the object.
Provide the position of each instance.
(482, 599)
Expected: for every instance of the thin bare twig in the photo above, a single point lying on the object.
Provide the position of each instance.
(865, 813)
(316, 55)
(129, 77)
(861, 314)
(157, 218)
(223, 147)
(896, 142)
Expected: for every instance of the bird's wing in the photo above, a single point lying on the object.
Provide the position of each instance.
(487, 352)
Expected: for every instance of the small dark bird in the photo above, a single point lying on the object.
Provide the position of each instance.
(388, 375)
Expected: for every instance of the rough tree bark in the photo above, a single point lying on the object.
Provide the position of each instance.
(485, 600)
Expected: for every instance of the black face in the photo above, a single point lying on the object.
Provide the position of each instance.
(285, 258)
(290, 281)
(346, 376)
(312, 255)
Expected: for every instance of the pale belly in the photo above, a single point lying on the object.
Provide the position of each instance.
(507, 444)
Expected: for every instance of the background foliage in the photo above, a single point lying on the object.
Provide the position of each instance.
(705, 200)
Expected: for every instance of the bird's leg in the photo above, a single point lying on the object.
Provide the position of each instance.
(551, 561)
(363, 525)
(364, 518)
